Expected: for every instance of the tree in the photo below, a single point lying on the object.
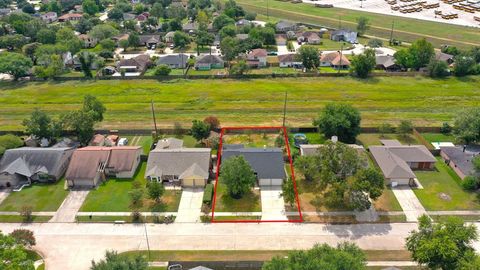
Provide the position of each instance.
(239, 68)
(238, 176)
(421, 51)
(441, 245)
(228, 31)
(176, 12)
(29, 50)
(107, 44)
(181, 40)
(15, 64)
(466, 127)
(200, 130)
(28, 8)
(67, 37)
(344, 256)
(375, 43)
(341, 120)
(103, 31)
(24, 237)
(309, 56)
(136, 198)
(39, 124)
(83, 25)
(203, 38)
(404, 128)
(124, 44)
(155, 191)
(114, 261)
(95, 106)
(288, 192)
(133, 39)
(13, 255)
(385, 128)
(221, 21)
(81, 123)
(367, 184)
(86, 59)
(229, 48)
(437, 69)
(363, 24)
(115, 14)
(46, 36)
(162, 70)
(364, 63)
(306, 166)
(12, 42)
(464, 64)
(138, 8)
(157, 10)
(90, 7)
(212, 122)
(175, 25)
(51, 67)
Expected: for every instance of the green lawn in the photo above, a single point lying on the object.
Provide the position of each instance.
(140, 140)
(443, 180)
(368, 139)
(250, 202)
(112, 196)
(438, 137)
(387, 202)
(406, 29)
(19, 219)
(41, 197)
(424, 101)
(315, 138)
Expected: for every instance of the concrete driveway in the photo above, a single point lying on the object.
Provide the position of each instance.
(273, 205)
(190, 206)
(409, 202)
(70, 206)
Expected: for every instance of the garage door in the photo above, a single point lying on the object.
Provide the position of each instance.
(193, 182)
(270, 182)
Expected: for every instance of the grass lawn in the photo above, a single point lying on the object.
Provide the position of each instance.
(110, 219)
(405, 29)
(438, 137)
(41, 197)
(310, 198)
(424, 101)
(272, 70)
(315, 138)
(102, 200)
(387, 202)
(250, 202)
(251, 140)
(140, 140)
(228, 218)
(367, 139)
(19, 219)
(443, 180)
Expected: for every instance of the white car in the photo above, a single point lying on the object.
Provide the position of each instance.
(122, 142)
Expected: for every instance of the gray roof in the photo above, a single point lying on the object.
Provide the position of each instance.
(169, 143)
(462, 159)
(266, 162)
(148, 39)
(178, 161)
(385, 60)
(194, 170)
(209, 59)
(177, 59)
(28, 161)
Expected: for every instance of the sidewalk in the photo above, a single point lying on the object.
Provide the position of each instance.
(70, 206)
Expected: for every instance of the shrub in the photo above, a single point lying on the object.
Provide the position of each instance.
(470, 183)
(208, 194)
(162, 70)
(375, 43)
(212, 121)
(205, 218)
(24, 237)
(446, 128)
(9, 141)
(26, 213)
(437, 69)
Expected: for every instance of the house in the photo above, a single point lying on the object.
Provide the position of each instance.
(397, 161)
(97, 140)
(169, 162)
(386, 62)
(32, 164)
(444, 57)
(70, 17)
(267, 163)
(344, 35)
(208, 62)
(174, 60)
(190, 27)
(285, 26)
(336, 60)
(78, 8)
(120, 37)
(311, 149)
(169, 37)
(309, 37)
(281, 39)
(49, 17)
(128, 17)
(289, 60)
(460, 158)
(139, 64)
(149, 41)
(88, 41)
(4, 12)
(141, 17)
(91, 165)
(257, 58)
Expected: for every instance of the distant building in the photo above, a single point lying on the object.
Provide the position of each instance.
(70, 17)
(257, 58)
(173, 60)
(336, 60)
(208, 62)
(344, 35)
(285, 26)
(49, 17)
(88, 41)
(289, 60)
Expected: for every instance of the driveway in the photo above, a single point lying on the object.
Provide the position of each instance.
(70, 206)
(409, 202)
(273, 206)
(190, 206)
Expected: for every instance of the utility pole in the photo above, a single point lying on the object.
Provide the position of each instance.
(341, 55)
(148, 243)
(268, 17)
(391, 33)
(154, 119)
(284, 109)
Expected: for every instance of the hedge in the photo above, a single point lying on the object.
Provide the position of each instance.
(208, 194)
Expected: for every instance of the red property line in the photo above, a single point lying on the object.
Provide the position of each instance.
(219, 153)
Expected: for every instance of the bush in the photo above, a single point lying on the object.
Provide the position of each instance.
(162, 70)
(26, 213)
(470, 183)
(208, 194)
(9, 141)
(446, 128)
(437, 69)
(106, 54)
(375, 43)
(205, 218)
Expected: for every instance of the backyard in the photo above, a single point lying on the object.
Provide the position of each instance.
(112, 196)
(41, 197)
(442, 190)
(368, 139)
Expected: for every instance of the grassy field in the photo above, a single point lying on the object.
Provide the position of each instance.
(405, 29)
(444, 181)
(425, 101)
(250, 202)
(101, 199)
(41, 197)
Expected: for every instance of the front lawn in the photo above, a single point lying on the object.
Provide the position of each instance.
(442, 190)
(387, 202)
(367, 139)
(41, 197)
(112, 196)
(250, 202)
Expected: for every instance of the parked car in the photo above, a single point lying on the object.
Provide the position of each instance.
(122, 142)
(298, 139)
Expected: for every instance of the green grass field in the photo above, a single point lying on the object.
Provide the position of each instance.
(250, 202)
(41, 197)
(405, 29)
(424, 101)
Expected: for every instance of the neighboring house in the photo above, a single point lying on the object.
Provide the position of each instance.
(70, 17)
(169, 37)
(397, 161)
(31, 164)
(344, 35)
(460, 159)
(208, 62)
(148, 40)
(257, 58)
(309, 37)
(171, 163)
(444, 57)
(173, 60)
(88, 42)
(93, 164)
(336, 60)
(386, 62)
(285, 26)
(289, 60)
(139, 64)
(97, 140)
(281, 39)
(190, 27)
(49, 17)
(311, 149)
(141, 18)
(120, 37)
(267, 163)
